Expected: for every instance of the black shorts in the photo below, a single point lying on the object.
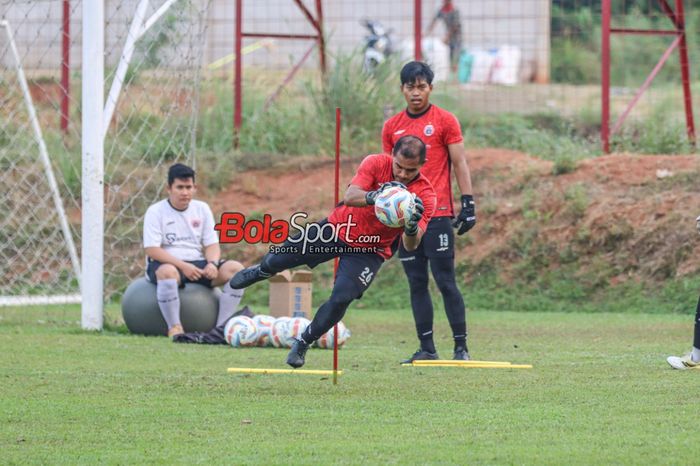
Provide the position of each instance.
(438, 241)
(356, 271)
(359, 269)
(356, 268)
(153, 266)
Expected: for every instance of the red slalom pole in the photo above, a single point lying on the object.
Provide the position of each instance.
(335, 263)
(417, 30)
(238, 75)
(685, 72)
(605, 76)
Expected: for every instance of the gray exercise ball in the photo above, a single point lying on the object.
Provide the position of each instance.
(199, 307)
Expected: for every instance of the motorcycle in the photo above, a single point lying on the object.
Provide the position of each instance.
(378, 45)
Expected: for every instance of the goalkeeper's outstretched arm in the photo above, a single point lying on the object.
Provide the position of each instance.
(356, 196)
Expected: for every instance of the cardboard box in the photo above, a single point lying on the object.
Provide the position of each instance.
(290, 294)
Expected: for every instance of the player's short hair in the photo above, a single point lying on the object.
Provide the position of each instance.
(410, 147)
(179, 171)
(415, 70)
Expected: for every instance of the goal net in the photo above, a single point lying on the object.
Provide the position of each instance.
(153, 57)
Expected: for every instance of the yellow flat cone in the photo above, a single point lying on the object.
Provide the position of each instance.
(474, 366)
(245, 370)
(452, 362)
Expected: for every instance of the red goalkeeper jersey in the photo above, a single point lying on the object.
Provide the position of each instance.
(436, 128)
(373, 171)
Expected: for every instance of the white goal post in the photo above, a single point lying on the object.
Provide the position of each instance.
(92, 226)
(96, 121)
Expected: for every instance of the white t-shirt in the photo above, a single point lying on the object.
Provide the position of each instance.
(183, 234)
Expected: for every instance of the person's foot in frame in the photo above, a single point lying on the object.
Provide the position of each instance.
(683, 362)
(248, 276)
(297, 355)
(421, 355)
(175, 330)
(461, 354)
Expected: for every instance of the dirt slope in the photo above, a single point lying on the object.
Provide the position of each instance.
(614, 217)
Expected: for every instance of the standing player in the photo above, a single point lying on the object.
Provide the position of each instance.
(453, 26)
(182, 246)
(692, 359)
(356, 269)
(440, 131)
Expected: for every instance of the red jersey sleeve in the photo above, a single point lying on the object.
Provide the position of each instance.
(453, 132)
(366, 178)
(429, 199)
(387, 143)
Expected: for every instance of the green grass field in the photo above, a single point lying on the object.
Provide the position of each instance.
(600, 392)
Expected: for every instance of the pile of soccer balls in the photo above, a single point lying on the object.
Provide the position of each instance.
(264, 330)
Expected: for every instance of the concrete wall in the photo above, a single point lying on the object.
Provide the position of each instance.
(486, 24)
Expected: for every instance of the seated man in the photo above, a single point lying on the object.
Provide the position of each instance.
(182, 246)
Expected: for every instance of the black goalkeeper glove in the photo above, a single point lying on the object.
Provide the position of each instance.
(371, 196)
(411, 225)
(466, 219)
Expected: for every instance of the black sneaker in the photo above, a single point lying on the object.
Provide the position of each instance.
(244, 312)
(461, 354)
(213, 337)
(421, 355)
(296, 355)
(247, 277)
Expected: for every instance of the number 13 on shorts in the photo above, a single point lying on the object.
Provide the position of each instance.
(444, 240)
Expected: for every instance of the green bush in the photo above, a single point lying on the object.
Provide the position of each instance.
(575, 43)
(302, 120)
(548, 136)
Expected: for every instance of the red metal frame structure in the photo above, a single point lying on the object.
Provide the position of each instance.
(417, 29)
(65, 67)
(318, 39)
(678, 19)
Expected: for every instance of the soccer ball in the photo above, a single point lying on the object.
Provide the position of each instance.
(393, 206)
(286, 329)
(241, 331)
(296, 327)
(327, 340)
(264, 325)
(278, 332)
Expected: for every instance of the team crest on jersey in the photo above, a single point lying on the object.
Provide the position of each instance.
(428, 130)
(196, 223)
